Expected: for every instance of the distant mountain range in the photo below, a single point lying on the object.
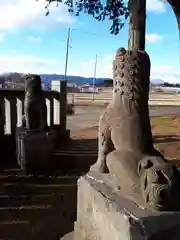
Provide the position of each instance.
(74, 79)
(18, 78)
(81, 80)
(157, 81)
(46, 78)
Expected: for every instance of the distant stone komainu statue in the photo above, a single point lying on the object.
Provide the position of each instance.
(34, 139)
(35, 108)
(126, 148)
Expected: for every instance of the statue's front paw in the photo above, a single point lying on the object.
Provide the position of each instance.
(99, 166)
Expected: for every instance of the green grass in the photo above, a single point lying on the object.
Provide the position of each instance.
(165, 124)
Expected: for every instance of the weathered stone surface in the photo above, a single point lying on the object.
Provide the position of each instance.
(35, 150)
(34, 104)
(34, 140)
(105, 213)
(125, 123)
(125, 139)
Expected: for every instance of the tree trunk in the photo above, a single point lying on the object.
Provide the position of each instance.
(175, 4)
(137, 24)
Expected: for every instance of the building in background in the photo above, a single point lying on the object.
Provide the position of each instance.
(71, 87)
(88, 88)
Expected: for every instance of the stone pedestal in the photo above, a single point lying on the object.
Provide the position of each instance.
(34, 150)
(103, 213)
(62, 136)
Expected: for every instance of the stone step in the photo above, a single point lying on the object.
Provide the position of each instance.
(34, 212)
(78, 158)
(83, 145)
(24, 213)
(76, 153)
(14, 230)
(36, 206)
(79, 149)
(48, 226)
(38, 179)
(38, 199)
(30, 189)
(7, 171)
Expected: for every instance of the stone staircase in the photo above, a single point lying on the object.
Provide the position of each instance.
(78, 157)
(44, 206)
(36, 207)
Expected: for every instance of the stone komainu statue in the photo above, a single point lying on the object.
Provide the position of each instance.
(125, 139)
(35, 108)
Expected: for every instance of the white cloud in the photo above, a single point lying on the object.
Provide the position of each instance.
(34, 39)
(33, 64)
(86, 67)
(16, 14)
(153, 37)
(31, 13)
(156, 6)
(28, 64)
(167, 73)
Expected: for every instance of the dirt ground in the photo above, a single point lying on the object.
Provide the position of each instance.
(166, 135)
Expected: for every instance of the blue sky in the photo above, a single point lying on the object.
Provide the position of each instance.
(31, 42)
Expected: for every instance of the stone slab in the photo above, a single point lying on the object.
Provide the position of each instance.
(35, 150)
(103, 213)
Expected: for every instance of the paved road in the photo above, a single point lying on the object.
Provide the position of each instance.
(86, 117)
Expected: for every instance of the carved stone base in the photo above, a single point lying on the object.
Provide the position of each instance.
(104, 213)
(35, 150)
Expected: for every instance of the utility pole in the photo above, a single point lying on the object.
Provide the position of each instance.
(63, 90)
(67, 54)
(94, 78)
(137, 24)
